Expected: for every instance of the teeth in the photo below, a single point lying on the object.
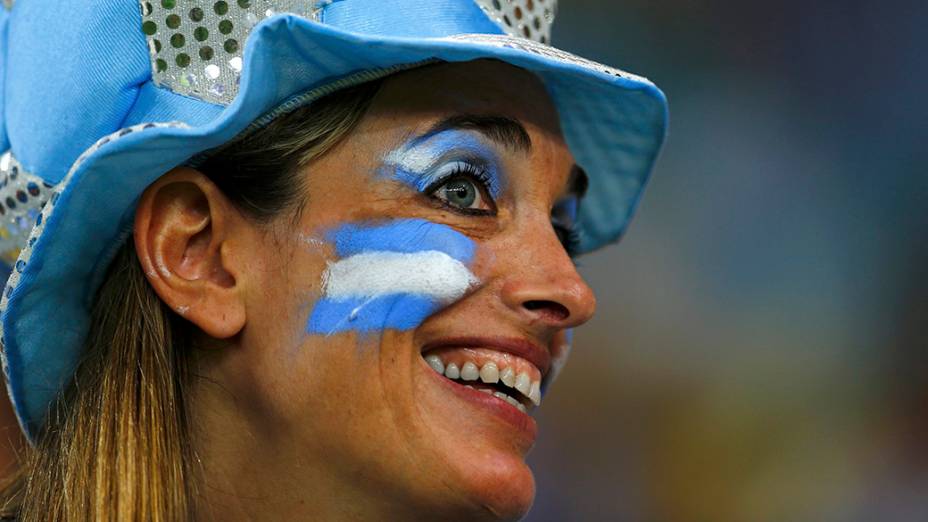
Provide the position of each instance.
(484, 390)
(489, 373)
(534, 394)
(508, 377)
(436, 364)
(524, 383)
(469, 372)
(510, 400)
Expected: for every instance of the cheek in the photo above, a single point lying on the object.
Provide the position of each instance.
(391, 275)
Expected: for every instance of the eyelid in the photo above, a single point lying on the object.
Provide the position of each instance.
(455, 165)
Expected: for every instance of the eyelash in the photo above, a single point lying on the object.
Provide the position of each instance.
(473, 172)
(568, 234)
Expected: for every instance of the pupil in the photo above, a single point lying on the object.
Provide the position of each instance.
(461, 193)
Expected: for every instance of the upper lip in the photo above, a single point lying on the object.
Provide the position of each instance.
(517, 346)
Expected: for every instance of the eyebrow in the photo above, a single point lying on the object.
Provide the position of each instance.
(501, 129)
(508, 132)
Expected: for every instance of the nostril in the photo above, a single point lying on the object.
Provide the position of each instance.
(549, 310)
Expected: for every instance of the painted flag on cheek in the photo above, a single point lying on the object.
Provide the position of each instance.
(391, 275)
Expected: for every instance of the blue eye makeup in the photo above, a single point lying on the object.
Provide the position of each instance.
(425, 164)
(564, 221)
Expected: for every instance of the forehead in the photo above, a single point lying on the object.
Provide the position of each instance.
(478, 87)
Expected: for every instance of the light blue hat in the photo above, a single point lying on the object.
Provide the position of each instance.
(101, 97)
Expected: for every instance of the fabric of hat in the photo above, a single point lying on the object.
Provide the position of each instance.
(101, 97)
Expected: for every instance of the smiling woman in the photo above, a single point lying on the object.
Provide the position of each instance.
(339, 295)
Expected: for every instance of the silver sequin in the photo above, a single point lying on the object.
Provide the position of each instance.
(529, 19)
(196, 50)
(546, 51)
(22, 196)
(196, 47)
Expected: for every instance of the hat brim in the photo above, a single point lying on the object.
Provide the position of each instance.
(613, 122)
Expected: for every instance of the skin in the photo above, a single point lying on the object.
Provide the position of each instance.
(292, 426)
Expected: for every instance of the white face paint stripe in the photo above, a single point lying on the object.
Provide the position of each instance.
(430, 274)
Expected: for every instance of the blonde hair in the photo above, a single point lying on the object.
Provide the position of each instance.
(116, 445)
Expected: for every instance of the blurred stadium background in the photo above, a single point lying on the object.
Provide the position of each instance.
(759, 353)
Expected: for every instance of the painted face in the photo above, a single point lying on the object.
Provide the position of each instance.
(391, 275)
(401, 338)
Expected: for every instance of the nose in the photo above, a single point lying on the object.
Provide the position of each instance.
(543, 285)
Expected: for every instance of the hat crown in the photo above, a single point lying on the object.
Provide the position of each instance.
(196, 47)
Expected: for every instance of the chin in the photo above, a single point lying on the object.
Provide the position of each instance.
(478, 445)
(503, 492)
(490, 489)
(475, 397)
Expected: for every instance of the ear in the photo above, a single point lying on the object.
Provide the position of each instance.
(183, 230)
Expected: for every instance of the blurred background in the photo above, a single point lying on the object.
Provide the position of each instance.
(759, 353)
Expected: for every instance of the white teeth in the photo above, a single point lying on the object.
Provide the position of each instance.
(489, 373)
(436, 364)
(510, 400)
(534, 394)
(469, 372)
(524, 383)
(508, 377)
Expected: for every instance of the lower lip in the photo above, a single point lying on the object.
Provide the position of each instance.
(522, 422)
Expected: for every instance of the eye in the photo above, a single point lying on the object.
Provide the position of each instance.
(464, 190)
(460, 193)
(564, 222)
(569, 237)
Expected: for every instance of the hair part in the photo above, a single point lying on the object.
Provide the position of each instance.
(116, 445)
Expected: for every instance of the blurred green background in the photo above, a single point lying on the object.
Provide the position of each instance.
(759, 350)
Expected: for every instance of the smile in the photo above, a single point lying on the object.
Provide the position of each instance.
(505, 376)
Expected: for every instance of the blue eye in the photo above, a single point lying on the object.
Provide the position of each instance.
(459, 192)
(465, 188)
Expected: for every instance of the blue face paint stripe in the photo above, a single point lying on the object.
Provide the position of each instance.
(387, 311)
(404, 236)
(396, 311)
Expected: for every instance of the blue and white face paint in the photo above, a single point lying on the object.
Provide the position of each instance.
(426, 161)
(391, 275)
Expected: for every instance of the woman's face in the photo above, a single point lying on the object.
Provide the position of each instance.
(434, 238)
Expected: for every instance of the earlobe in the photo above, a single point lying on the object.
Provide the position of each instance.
(183, 224)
